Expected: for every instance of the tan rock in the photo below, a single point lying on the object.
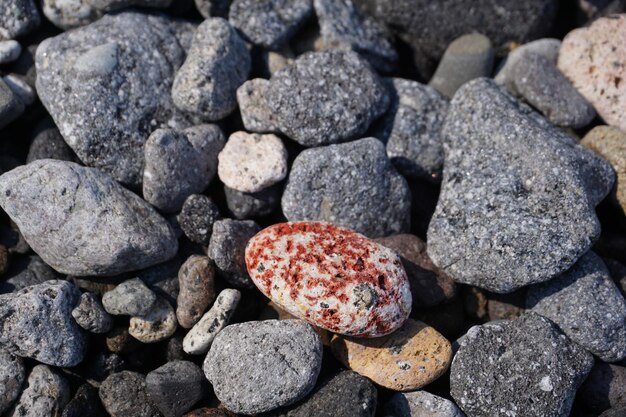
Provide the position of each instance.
(406, 360)
(196, 279)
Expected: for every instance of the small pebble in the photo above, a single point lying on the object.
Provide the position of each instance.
(68, 14)
(175, 387)
(157, 324)
(604, 388)
(253, 205)
(90, 314)
(227, 250)
(12, 377)
(251, 162)
(123, 394)
(11, 107)
(45, 394)
(85, 403)
(255, 112)
(197, 217)
(130, 298)
(420, 403)
(9, 51)
(197, 290)
(119, 340)
(198, 340)
(21, 88)
(163, 279)
(262, 365)
(17, 18)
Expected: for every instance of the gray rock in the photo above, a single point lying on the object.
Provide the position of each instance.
(255, 112)
(197, 217)
(107, 86)
(175, 387)
(604, 388)
(269, 23)
(587, 305)
(48, 143)
(68, 14)
(12, 377)
(344, 26)
(130, 298)
(24, 92)
(26, 271)
(253, 205)
(17, 18)
(217, 64)
(466, 58)
(197, 290)
(9, 51)
(178, 164)
(411, 128)
(82, 222)
(326, 97)
(420, 403)
(262, 365)
(123, 394)
(525, 367)
(352, 185)
(85, 403)
(91, 316)
(11, 107)
(163, 279)
(517, 202)
(37, 323)
(213, 8)
(227, 249)
(109, 5)
(46, 394)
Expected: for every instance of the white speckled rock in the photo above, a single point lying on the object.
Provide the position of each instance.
(159, 324)
(251, 162)
(331, 277)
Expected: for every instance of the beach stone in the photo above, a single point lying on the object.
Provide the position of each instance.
(130, 298)
(198, 340)
(12, 377)
(85, 403)
(46, 394)
(604, 388)
(430, 286)
(255, 112)
(26, 271)
(36, 322)
(11, 107)
(156, 325)
(420, 403)
(87, 79)
(253, 205)
(296, 265)
(518, 195)
(163, 279)
(217, 64)
(17, 18)
(251, 162)
(587, 305)
(542, 85)
(326, 97)
(466, 58)
(90, 314)
(208, 412)
(68, 14)
(24, 92)
(54, 203)
(9, 51)
(594, 60)
(197, 290)
(175, 387)
(542, 369)
(197, 217)
(227, 250)
(408, 359)
(110, 5)
(178, 164)
(48, 143)
(213, 8)
(269, 23)
(259, 366)
(123, 394)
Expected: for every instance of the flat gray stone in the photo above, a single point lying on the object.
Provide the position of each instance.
(81, 222)
(175, 387)
(12, 376)
(46, 394)
(130, 298)
(17, 18)
(227, 249)
(420, 403)
(91, 316)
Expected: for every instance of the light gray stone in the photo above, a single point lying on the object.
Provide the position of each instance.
(17, 18)
(91, 316)
(420, 403)
(46, 394)
(227, 249)
(130, 298)
(9, 51)
(255, 112)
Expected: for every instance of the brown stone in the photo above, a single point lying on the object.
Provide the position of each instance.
(408, 359)
(119, 340)
(196, 279)
(506, 306)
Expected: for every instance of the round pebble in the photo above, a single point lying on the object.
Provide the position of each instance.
(156, 325)
(175, 387)
(197, 217)
(255, 113)
(130, 298)
(197, 290)
(12, 377)
(9, 51)
(227, 250)
(90, 314)
(123, 394)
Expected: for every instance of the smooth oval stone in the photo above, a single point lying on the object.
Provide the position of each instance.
(331, 277)
(159, 324)
(410, 358)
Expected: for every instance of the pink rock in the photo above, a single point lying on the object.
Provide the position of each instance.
(331, 277)
(594, 59)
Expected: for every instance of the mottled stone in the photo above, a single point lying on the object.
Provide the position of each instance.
(85, 403)
(420, 403)
(175, 387)
(255, 112)
(17, 18)
(90, 314)
(12, 377)
(197, 217)
(130, 298)
(9, 51)
(11, 107)
(123, 394)
(227, 249)
(46, 394)
(196, 280)
(253, 205)
(157, 324)
(68, 14)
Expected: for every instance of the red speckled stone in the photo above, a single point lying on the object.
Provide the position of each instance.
(331, 277)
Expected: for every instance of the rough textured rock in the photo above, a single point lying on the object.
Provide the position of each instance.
(11, 107)
(37, 323)
(289, 263)
(326, 97)
(420, 403)
(197, 290)
(262, 365)
(253, 205)
(255, 112)
(197, 217)
(518, 196)
(82, 222)
(130, 298)
(227, 249)
(123, 394)
(46, 394)
(217, 64)
(68, 14)
(17, 18)
(587, 305)
(12, 377)
(128, 57)
(604, 388)
(175, 387)
(157, 324)
(90, 314)
(85, 403)
(352, 185)
(542, 369)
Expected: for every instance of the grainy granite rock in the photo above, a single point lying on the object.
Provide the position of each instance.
(9, 51)
(227, 249)
(525, 366)
(49, 144)
(253, 205)
(352, 185)
(123, 394)
(466, 58)
(541, 84)
(130, 298)
(518, 195)
(87, 79)
(587, 305)
(411, 128)
(269, 23)
(11, 107)
(420, 403)
(262, 365)
(175, 387)
(82, 222)
(91, 316)
(326, 97)
(197, 290)
(17, 18)
(255, 112)
(157, 324)
(213, 8)
(178, 164)
(12, 377)
(197, 217)
(217, 64)
(26, 271)
(85, 403)
(37, 323)
(46, 394)
(68, 14)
